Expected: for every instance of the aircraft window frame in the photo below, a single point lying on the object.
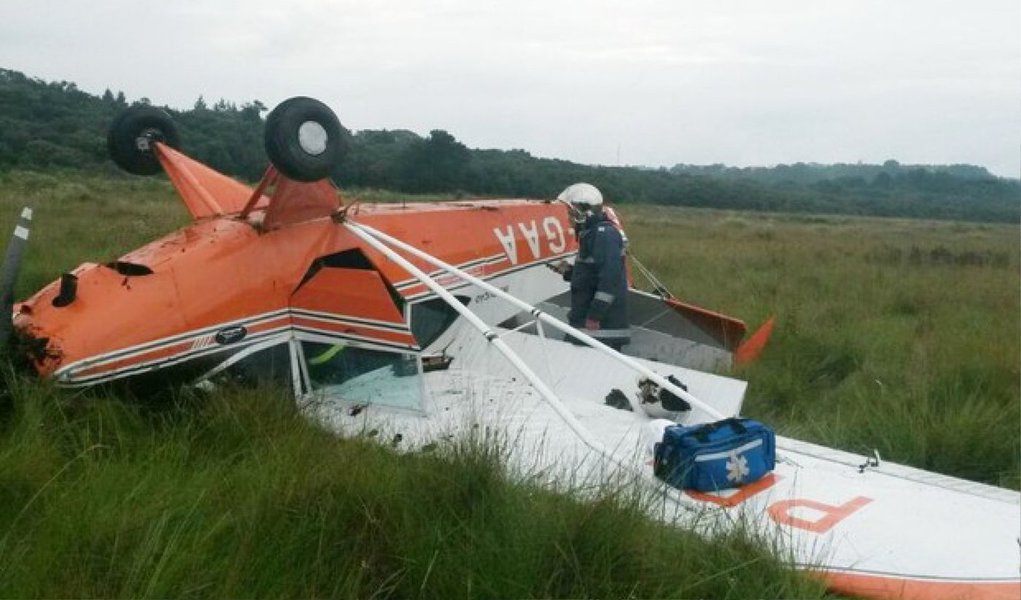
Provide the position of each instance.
(234, 361)
(309, 391)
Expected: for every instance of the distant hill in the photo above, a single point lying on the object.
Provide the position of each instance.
(812, 173)
(54, 125)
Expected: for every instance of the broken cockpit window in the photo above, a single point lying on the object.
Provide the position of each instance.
(430, 318)
(363, 376)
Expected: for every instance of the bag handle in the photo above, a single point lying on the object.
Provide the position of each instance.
(702, 433)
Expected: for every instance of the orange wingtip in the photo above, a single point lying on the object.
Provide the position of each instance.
(750, 349)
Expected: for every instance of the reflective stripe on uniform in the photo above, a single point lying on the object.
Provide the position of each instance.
(605, 297)
(609, 333)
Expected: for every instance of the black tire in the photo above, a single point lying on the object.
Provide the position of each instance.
(304, 139)
(131, 137)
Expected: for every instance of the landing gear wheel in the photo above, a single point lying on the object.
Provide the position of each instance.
(303, 139)
(132, 137)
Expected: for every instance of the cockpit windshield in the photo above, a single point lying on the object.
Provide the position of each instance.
(362, 376)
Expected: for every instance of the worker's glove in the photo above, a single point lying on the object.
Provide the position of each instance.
(592, 324)
(564, 268)
(561, 267)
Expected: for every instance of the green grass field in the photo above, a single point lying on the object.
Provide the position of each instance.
(895, 335)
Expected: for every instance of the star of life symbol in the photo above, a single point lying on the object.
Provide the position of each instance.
(737, 467)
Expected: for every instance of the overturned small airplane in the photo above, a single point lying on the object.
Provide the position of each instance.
(423, 318)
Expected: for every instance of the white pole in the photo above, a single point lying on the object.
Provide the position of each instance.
(551, 398)
(588, 340)
(493, 339)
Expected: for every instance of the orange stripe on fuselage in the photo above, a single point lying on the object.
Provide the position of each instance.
(171, 350)
(329, 325)
(364, 331)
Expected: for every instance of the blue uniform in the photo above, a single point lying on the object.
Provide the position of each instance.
(599, 282)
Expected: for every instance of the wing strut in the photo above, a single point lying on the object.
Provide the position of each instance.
(373, 237)
(548, 394)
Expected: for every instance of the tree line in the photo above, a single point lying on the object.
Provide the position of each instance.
(54, 125)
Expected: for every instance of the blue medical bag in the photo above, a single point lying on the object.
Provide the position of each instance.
(715, 456)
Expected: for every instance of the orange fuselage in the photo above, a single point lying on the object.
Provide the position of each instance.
(225, 281)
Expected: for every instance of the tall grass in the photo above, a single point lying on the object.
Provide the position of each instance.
(897, 335)
(236, 495)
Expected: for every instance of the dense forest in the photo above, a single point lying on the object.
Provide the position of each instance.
(54, 125)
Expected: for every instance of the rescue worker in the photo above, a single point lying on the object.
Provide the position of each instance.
(598, 277)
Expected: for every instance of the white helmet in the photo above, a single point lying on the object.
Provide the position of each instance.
(582, 194)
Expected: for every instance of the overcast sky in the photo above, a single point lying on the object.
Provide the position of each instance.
(653, 82)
